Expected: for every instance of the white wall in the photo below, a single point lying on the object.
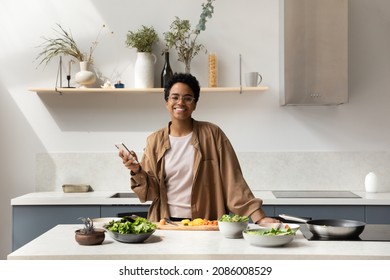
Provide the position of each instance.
(32, 124)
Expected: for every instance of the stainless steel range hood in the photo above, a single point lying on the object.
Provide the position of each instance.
(314, 52)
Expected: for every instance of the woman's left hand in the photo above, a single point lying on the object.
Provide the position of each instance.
(267, 220)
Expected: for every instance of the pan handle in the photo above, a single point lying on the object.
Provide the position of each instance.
(292, 218)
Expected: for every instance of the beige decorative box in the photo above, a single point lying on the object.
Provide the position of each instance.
(76, 188)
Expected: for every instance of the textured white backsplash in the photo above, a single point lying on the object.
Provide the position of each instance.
(103, 171)
(314, 170)
(262, 170)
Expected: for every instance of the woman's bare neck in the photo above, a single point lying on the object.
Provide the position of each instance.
(180, 128)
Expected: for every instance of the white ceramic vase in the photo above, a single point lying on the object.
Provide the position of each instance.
(144, 70)
(371, 183)
(84, 77)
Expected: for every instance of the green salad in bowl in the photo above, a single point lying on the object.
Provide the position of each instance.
(132, 229)
(231, 226)
(269, 237)
(233, 218)
(273, 231)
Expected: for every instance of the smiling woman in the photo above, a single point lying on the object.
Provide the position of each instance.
(190, 169)
(312, 147)
(180, 104)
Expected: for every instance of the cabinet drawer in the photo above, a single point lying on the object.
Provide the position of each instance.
(379, 214)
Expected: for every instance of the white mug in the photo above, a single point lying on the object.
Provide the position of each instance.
(253, 79)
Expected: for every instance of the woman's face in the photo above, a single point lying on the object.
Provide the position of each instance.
(181, 102)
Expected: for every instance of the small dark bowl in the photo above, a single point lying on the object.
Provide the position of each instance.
(93, 238)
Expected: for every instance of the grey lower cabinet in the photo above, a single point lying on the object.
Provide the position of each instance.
(30, 221)
(371, 214)
(350, 212)
(378, 214)
(121, 210)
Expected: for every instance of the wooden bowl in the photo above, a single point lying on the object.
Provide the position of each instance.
(93, 238)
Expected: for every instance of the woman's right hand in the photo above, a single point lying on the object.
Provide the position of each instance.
(130, 161)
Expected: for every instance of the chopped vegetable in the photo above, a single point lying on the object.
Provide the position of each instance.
(199, 222)
(185, 222)
(233, 218)
(211, 223)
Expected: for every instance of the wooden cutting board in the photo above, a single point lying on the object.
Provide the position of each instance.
(179, 226)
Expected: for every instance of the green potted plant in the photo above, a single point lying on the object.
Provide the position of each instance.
(89, 235)
(183, 39)
(143, 40)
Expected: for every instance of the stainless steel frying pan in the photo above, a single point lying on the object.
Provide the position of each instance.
(331, 228)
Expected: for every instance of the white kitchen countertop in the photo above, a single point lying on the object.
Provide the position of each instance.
(59, 243)
(103, 198)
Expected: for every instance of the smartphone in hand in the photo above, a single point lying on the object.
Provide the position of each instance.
(121, 146)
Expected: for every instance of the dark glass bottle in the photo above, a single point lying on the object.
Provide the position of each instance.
(166, 73)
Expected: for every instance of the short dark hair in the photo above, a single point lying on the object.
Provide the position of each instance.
(184, 78)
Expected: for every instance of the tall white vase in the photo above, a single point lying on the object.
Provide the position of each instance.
(85, 78)
(144, 70)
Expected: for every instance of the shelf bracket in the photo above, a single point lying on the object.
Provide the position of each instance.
(240, 68)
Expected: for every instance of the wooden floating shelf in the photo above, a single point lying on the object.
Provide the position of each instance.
(140, 90)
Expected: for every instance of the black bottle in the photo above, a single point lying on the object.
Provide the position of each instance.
(166, 73)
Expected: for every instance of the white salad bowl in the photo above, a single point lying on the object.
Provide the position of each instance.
(232, 229)
(256, 237)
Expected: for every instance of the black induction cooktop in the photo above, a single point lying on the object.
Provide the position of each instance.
(314, 194)
(371, 232)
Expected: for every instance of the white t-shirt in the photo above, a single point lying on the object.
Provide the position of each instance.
(179, 163)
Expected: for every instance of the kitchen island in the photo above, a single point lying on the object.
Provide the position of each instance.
(40, 211)
(59, 243)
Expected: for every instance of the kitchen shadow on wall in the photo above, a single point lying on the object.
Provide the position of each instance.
(18, 145)
(102, 112)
